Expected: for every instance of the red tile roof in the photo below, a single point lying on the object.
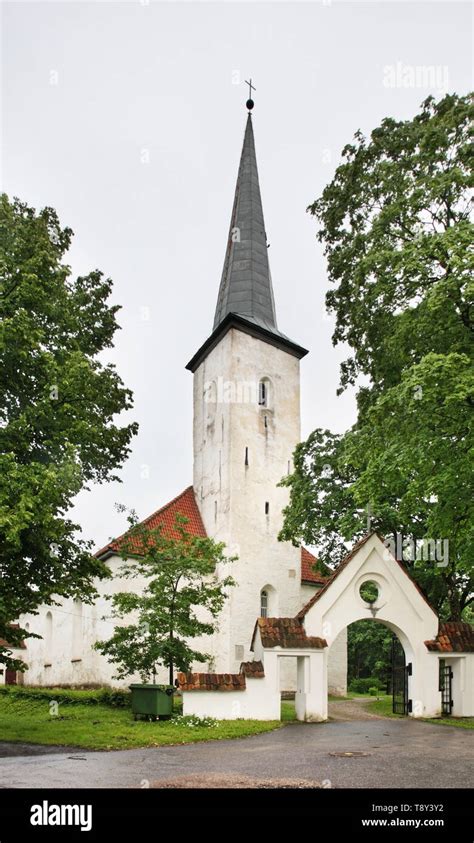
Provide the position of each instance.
(453, 637)
(211, 681)
(285, 632)
(345, 562)
(254, 669)
(308, 574)
(184, 504)
(220, 681)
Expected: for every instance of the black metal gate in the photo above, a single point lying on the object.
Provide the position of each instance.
(401, 704)
(446, 688)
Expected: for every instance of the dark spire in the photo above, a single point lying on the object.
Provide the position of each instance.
(245, 299)
(246, 286)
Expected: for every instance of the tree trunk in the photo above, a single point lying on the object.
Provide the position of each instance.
(454, 606)
(454, 599)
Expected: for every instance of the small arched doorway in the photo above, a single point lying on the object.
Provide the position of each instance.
(371, 585)
(377, 670)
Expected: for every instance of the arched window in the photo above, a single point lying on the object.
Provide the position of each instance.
(48, 635)
(268, 602)
(265, 393)
(77, 639)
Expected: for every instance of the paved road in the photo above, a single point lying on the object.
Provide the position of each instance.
(400, 753)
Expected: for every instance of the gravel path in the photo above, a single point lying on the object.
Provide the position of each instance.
(352, 710)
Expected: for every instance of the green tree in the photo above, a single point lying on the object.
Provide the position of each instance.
(179, 573)
(59, 401)
(369, 646)
(396, 224)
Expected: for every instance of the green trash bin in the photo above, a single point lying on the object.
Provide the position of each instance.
(152, 700)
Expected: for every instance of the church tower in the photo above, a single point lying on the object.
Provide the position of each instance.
(246, 426)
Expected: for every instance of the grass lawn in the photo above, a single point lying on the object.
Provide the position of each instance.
(288, 712)
(83, 722)
(384, 706)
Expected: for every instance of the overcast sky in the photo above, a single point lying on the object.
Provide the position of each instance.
(128, 119)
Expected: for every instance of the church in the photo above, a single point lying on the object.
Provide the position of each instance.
(246, 424)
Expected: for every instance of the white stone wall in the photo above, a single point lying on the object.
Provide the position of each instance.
(259, 701)
(462, 666)
(399, 606)
(232, 495)
(337, 665)
(66, 665)
(60, 658)
(56, 659)
(337, 658)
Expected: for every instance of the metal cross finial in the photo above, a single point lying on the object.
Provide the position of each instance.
(251, 87)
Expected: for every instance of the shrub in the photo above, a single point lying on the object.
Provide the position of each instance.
(113, 697)
(364, 684)
(373, 691)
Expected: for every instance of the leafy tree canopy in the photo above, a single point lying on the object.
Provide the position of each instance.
(58, 408)
(397, 228)
(369, 646)
(396, 225)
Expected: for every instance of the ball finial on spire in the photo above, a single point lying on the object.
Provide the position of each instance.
(250, 103)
